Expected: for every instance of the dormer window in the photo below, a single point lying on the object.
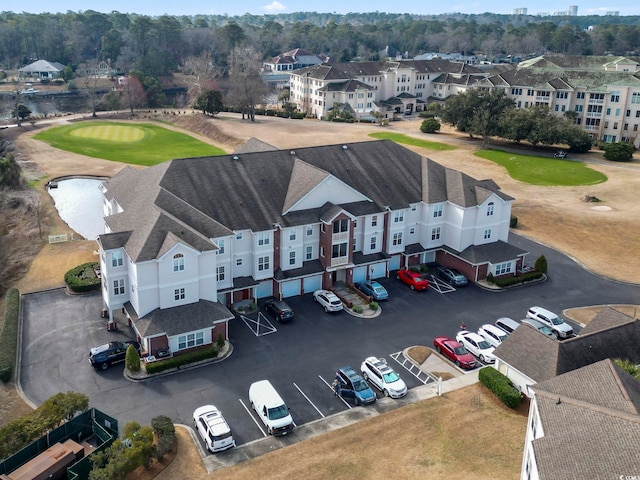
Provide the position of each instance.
(490, 209)
(178, 262)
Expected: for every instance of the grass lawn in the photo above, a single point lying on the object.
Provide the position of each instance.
(135, 143)
(542, 170)
(407, 140)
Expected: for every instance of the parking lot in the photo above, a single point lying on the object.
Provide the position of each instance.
(299, 358)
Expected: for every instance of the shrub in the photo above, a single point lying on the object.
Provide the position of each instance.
(508, 281)
(427, 114)
(513, 223)
(373, 306)
(164, 429)
(490, 278)
(83, 278)
(500, 386)
(182, 360)
(9, 335)
(430, 125)
(220, 342)
(357, 308)
(541, 264)
(132, 359)
(618, 152)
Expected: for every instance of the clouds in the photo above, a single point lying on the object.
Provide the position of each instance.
(274, 7)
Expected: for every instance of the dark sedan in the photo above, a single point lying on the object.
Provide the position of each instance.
(451, 276)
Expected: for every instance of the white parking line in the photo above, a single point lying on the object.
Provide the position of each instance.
(331, 388)
(252, 417)
(308, 400)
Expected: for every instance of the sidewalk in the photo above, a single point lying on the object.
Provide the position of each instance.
(344, 292)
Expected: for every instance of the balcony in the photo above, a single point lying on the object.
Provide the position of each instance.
(591, 127)
(596, 101)
(338, 261)
(594, 114)
(340, 237)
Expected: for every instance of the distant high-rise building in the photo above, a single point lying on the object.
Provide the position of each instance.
(613, 13)
(573, 11)
(519, 11)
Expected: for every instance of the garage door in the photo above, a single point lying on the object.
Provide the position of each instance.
(428, 257)
(394, 262)
(290, 288)
(359, 274)
(264, 289)
(311, 284)
(379, 270)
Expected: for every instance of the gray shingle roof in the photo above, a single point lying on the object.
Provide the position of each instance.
(495, 252)
(606, 318)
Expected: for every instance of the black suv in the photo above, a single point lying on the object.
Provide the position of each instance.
(104, 356)
(279, 310)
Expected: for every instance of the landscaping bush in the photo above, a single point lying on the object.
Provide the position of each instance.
(132, 359)
(490, 277)
(500, 386)
(220, 342)
(83, 278)
(618, 152)
(181, 360)
(357, 308)
(541, 264)
(508, 281)
(165, 431)
(298, 115)
(373, 306)
(9, 335)
(430, 125)
(513, 223)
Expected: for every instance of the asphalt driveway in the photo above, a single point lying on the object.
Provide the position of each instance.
(299, 358)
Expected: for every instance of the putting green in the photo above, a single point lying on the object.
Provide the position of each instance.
(112, 133)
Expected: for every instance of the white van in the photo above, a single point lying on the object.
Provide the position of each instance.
(270, 408)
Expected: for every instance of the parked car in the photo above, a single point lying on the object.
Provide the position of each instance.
(328, 300)
(451, 276)
(352, 385)
(279, 310)
(557, 325)
(373, 288)
(454, 351)
(476, 345)
(383, 377)
(506, 324)
(492, 334)
(103, 356)
(414, 279)
(560, 154)
(213, 428)
(541, 327)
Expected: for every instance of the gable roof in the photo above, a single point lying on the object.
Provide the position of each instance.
(591, 423)
(254, 145)
(42, 66)
(607, 317)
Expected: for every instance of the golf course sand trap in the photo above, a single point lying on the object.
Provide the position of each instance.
(113, 133)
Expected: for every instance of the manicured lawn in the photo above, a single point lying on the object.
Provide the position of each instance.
(400, 138)
(136, 143)
(543, 170)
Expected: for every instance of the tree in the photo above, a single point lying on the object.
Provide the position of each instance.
(39, 211)
(541, 264)
(132, 359)
(132, 95)
(210, 102)
(233, 34)
(430, 125)
(90, 83)
(629, 367)
(618, 152)
(246, 88)
(10, 173)
(201, 73)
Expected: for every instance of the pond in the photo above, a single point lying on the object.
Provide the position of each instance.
(79, 204)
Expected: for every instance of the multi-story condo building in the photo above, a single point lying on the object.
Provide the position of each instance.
(276, 71)
(189, 237)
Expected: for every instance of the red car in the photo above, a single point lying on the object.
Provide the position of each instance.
(414, 279)
(454, 351)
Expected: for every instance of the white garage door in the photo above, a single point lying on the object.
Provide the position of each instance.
(394, 262)
(311, 284)
(290, 288)
(264, 289)
(359, 274)
(379, 270)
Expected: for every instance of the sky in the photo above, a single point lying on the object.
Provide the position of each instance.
(262, 7)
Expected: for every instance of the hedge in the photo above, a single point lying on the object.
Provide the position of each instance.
(83, 278)
(508, 281)
(501, 386)
(180, 360)
(9, 335)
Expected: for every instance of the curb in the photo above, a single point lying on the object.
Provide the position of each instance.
(511, 287)
(375, 314)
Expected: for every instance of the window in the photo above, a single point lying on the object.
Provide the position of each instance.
(397, 238)
(292, 234)
(615, 97)
(412, 231)
(178, 294)
(487, 234)
(579, 108)
(309, 230)
(263, 238)
(178, 262)
(118, 287)
(309, 253)
(374, 240)
(374, 221)
(414, 208)
(398, 217)
(580, 95)
(190, 340)
(490, 210)
(437, 211)
(627, 113)
(238, 262)
(220, 247)
(339, 250)
(435, 233)
(292, 258)
(116, 259)
(635, 97)
(220, 273)
(263, 264)
(238, 235)
(341, 226)
(503, 268)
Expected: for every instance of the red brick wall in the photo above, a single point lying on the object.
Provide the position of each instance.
(276, 249)
(156, 343)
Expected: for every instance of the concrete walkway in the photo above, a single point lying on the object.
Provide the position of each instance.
(347, 294)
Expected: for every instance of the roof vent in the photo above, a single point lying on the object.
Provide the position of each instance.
(235, 157)
(293, 152)
(344, 147)
(559, 401)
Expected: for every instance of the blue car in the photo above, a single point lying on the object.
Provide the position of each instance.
(373, 288)
(352, 385)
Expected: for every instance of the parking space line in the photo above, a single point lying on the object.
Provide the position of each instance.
(440, 286)
(308, 400)
(252, 417)
(331, 388)
(254, 325)
(413, 369)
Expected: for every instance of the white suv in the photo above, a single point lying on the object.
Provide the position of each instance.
(329, 300)
(213, 429)
(383, 377)
(558, 326)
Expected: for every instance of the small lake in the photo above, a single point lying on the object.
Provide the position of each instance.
(79, 204)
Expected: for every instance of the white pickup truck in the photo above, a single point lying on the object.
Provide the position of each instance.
(270, 407)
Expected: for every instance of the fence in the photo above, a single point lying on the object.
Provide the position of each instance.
(58, 238)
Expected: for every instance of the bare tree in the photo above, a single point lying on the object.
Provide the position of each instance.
(90, 79)
(246, 88)
(133, 95)
(201, 74)
(39, 211)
